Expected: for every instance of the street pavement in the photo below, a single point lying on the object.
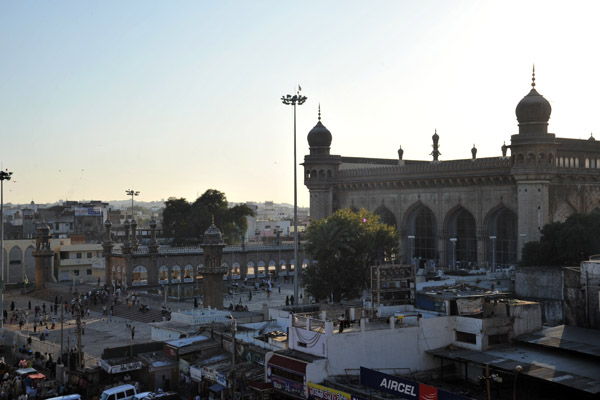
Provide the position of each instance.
(112, 331)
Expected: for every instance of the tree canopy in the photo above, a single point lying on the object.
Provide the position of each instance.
(186, 222)
(565, 243)
(344, 246)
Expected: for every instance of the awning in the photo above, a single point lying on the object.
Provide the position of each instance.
(37, 376)
(216, 388)
(288, 363)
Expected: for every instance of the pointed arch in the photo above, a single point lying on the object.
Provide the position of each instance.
(501, 236)
(460, 224)
(421, 228)
(139, 276)
(386, 216)
(15, 265)
(563, 211)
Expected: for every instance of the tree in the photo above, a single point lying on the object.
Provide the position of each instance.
(345, 245)
(564, 243)
(186, 222)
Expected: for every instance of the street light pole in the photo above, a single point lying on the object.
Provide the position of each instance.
(4, 175)
(132, 193)
(294, 100)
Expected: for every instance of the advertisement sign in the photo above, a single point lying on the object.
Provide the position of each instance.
(88, 211)
(403, 388)
(289, 386)
(318, 392)
(115, 369)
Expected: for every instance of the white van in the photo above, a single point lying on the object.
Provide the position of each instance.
(67, 397)
(123, 392)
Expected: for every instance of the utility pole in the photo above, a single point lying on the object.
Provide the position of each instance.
(62, 309)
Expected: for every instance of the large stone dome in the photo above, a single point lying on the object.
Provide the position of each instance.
(319, 136)
(533, 108)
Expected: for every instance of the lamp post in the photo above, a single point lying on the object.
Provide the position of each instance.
(493, 252)
(518, 369)
(132, 193)
(294, 100)
(453, 240)
(411, 253)
(4, 175)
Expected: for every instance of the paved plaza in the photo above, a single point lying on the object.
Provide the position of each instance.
(112, 331)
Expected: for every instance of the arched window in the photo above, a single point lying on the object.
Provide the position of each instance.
(386, 216)
(261, 270)
(272, 269)
(139, 276)
(15, 265)
(282, 268)
(577, 163)
(329, 173)
(176, 274)
(462, 239)
(188, 273)
(422, 233)
(198, 274)
(587, 162)
(163, 275)
(502, 243)
(236, 271)
(250, 270)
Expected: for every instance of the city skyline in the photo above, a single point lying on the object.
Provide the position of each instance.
(172, 99)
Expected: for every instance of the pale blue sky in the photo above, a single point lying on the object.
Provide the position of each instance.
(173, 97)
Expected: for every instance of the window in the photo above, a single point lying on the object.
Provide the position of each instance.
(466, 337)
(76, 272)
(498, 339)
(89, 255)
(78, 255)
(88, 272)
(129, 393)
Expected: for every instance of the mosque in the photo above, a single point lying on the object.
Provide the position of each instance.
(478, 211)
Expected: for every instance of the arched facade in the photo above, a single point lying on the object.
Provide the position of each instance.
(476, 211)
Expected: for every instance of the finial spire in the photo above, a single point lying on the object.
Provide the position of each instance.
(533, 77)
(319, 111)
(213, 219)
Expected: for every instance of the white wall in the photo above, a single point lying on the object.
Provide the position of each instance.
(401, 347)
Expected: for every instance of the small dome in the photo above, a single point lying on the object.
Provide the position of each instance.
(319, 136)
(533, 108)
(213, 235)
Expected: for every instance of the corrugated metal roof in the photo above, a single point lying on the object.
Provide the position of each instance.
(571, 338)
(551, 373)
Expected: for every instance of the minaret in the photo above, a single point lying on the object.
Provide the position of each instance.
(107, 246)
(43, 256)
(533, 152)
(320, 171)
(212, 272)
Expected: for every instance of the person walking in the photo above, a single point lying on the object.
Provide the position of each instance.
(132, 332)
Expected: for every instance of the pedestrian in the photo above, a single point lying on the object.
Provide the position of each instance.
(12, 306)
(44, 307)
(132, 332)
(279, 287)
(82, 328)
(98, 281)
(292, 299)
(29, 304)
(34, 326)
(287, 300)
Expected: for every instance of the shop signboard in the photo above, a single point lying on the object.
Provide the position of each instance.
(403, 388)
(288, 386)
(319, 392)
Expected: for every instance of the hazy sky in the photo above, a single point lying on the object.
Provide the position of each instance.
(173, 97)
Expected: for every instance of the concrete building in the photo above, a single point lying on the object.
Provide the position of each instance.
(479, 210)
